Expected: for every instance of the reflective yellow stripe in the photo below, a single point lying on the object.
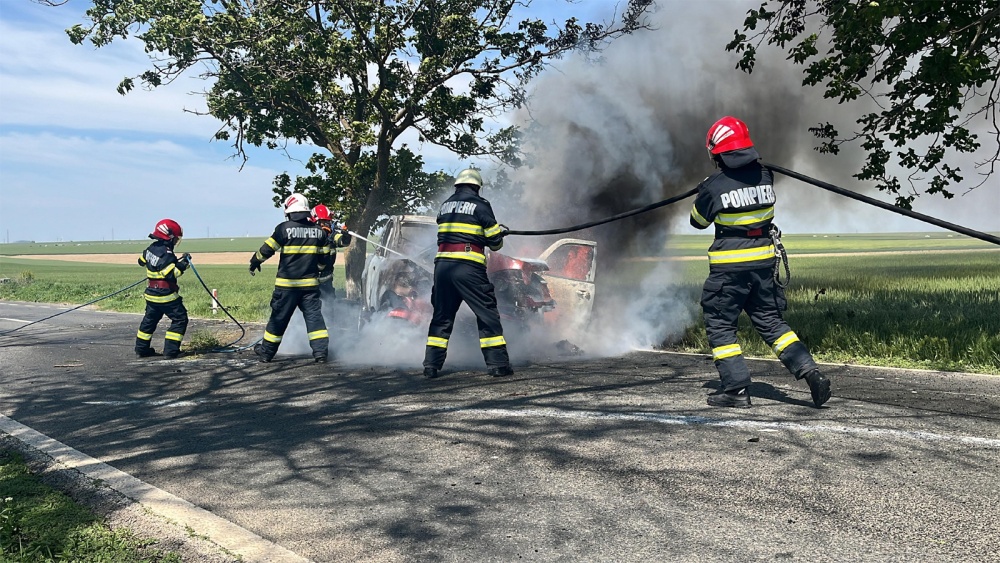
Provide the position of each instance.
(745, 218)
(492, 341)
(698, 218)
(272, 243)
(144, 335)
(306, 282)
(493, 231)
(784, 341)
(271, 337)
(437, 342)
(174, 336)
(471, 256)
(303, 250)
(319, 334)
(161, 298)
(161, 274)
(727, 351)
(741, 255)
(463, 228)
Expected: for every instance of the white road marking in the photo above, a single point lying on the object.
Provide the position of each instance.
(175, 509)
(152, 403)
(760, 426)
(15, 320)
(683, 420)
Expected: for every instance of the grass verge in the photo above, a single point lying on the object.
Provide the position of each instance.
(41, 524)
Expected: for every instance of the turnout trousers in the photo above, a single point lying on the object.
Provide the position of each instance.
(178, 315)
(283, 305)
(456, 281)
(724, 297)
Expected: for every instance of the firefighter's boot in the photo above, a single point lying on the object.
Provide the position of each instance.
(819, 387)
(738, 398)
(146, 352)
(262, 353)
(432, 373)
(501, 371)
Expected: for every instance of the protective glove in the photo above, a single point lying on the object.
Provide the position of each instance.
(186, 257)
(504, 230)
(345, 236)
(254, 265)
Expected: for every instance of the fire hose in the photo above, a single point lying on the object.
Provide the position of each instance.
(792, 174)
(243, 330)
(103, 297)
(226, 348)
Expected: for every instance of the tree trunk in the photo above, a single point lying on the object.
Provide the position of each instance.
(354, 263)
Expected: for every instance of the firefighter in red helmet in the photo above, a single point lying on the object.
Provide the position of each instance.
(163, 268)
(301, 244)
(339, 239)
(739, 201)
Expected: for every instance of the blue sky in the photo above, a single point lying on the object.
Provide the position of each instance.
(80, 162)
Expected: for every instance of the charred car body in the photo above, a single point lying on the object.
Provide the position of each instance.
(555, 290)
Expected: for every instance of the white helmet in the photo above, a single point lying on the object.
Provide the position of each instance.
(296, 202)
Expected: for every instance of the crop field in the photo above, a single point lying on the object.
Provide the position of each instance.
(904, 300)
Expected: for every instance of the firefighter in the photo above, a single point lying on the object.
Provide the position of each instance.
(739, 200)
(302, 245)
(466, 226)
(322, 216)
(162, 297)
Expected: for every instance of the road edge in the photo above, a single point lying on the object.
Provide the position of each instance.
(124, 501)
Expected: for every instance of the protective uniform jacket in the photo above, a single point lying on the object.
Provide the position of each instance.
(338, 239)
(739, 199)
(466, 226)
(304, 246)
(162, 270)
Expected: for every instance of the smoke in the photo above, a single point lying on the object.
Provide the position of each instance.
(629, 130)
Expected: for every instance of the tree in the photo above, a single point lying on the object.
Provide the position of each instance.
(350, 77)
(931, 68)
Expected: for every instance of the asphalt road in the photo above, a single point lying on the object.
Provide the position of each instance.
(614, 459)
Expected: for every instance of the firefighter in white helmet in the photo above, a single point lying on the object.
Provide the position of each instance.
(301, 243)
(739, 201)
(466, 227)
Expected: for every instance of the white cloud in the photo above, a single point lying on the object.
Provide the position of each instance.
(81, 188)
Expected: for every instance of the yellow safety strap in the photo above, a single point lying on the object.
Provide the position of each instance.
(294, 283)
(319, 334)
(492, 341)
(741, 255)
(745, 218)
(727, 351)
(463, 228)
(784, 341)
(437, 342)
(470, 256)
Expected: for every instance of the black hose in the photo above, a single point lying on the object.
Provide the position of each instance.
(243, 331)
(887, 206)
(5, 333)
(649, 207)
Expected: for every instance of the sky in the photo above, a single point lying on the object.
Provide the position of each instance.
(80, 162)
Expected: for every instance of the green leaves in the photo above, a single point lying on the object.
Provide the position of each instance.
(930, 66)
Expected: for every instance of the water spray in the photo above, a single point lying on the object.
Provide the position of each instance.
(400, 254)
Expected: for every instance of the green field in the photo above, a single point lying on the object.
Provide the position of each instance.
(242, 244)
(936, 309)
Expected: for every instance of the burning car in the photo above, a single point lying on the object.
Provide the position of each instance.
(554, 290)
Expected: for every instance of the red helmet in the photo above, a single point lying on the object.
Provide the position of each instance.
(322, 213)
(727, 134)
(167, 229)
